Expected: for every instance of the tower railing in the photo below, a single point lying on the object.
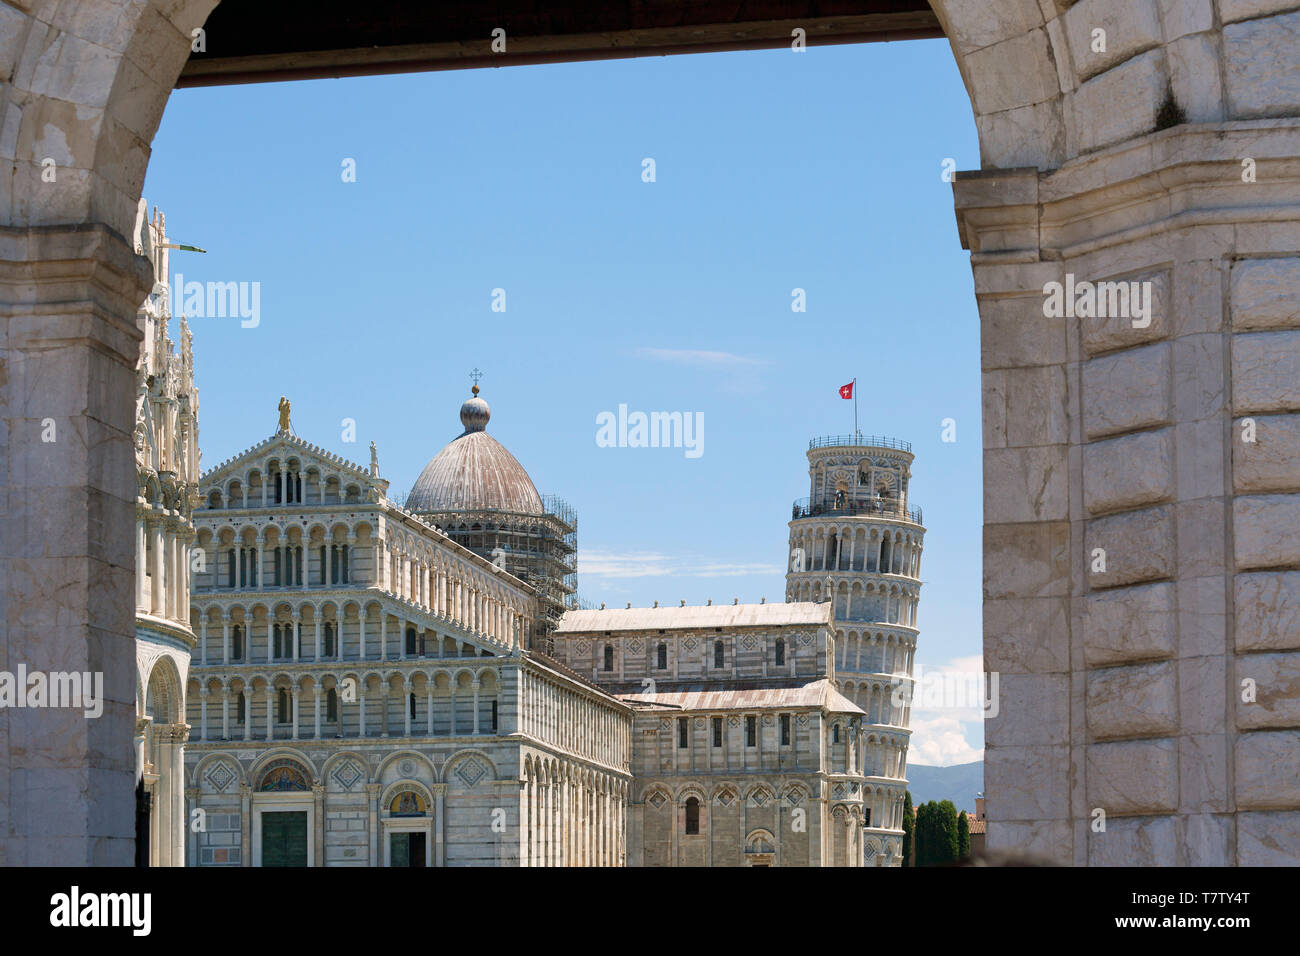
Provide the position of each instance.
(848, 505)
(860, 440)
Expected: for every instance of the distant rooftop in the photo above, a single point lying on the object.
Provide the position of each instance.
(720, 696)
(694, 616)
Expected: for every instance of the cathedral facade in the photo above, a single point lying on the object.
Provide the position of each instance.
(167, 470)
(373, 685)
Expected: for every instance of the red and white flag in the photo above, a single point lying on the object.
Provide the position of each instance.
(846, 391)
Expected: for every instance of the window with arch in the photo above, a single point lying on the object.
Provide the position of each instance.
(494, 716)
(329, 638)
(609, 657)
(835, 734)
(661, 656)
(683, 732)
(241, 708)
(780, 651)
(785, 730)
(332, 705)
(414, 642)
(412, 705)
(719, 654)
(751, 731)
(282, 706)
(717, 731)
(692, 816)
(237, 642)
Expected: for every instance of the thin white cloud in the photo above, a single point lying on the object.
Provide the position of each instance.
(737, 374)
(702, 358)
(652, 564)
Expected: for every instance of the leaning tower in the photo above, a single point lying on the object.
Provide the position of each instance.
(857, 541)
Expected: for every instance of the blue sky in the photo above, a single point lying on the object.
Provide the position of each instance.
(773, 171)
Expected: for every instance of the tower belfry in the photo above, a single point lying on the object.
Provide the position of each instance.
(856, 542)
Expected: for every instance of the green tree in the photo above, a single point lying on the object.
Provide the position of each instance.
(963, 836)
(921, 835)
(908, 826)
(948, 846)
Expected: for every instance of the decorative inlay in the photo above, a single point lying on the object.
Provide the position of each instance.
(733, 722)
(408, 768)
(759, 797)
(637, 645)
(750, 642)
(347, 774)
(690, 643)
(803, 720)
(470, 771)
(870, 851)
(657, 799)
(725, 797)
(794, 796)
(220, 777)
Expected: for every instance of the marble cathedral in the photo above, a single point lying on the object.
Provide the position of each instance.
(367, 679)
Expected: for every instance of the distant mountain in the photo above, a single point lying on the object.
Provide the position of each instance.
(958, 783)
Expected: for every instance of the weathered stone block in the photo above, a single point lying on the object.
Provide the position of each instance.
(1128, 28)
(1128, 471)
(1136, 545)
(1136, 701)
(1026, 484)
(1120, 103)
(1207, 839)
(1276, 688)
(1202, 772)
(1265, 372)
(1026, 635)
(1268, 839)
(998, 85)
(1047, 840)
(1129, 624)
(1126, 390)
(1261, 70)
(1116, 331)
(1266, 531)
(1027, 560)
(1268, 770)
(1267, 609)
(1033, 782)
(1133, 776)
(1262, 293)
(1272, 461)
(1032, 709)
(1014, 333)
(1135, 841)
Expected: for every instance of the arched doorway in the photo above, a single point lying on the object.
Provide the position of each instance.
(1106, 437)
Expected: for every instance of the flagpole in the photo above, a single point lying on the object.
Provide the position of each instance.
(855, 408)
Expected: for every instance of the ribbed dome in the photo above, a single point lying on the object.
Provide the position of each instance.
(475, 472)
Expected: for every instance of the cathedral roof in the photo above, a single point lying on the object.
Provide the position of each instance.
(723, 695)
(695, 616)
(475, 472)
